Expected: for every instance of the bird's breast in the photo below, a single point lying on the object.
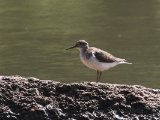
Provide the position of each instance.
(86, 60)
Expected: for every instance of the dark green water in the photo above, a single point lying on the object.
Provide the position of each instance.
(35, 33)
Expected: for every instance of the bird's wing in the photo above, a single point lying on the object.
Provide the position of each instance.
(106, 57)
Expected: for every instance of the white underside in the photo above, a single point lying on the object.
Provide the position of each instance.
(93, 63)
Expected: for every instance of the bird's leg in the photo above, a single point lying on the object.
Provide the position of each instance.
(97, 76)
(100, 74)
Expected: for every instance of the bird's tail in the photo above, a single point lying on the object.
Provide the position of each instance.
(124, 62)
(128, 63)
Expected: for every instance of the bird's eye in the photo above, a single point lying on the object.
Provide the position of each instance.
(80, 43)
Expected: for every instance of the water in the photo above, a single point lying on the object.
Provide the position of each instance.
(35, 33)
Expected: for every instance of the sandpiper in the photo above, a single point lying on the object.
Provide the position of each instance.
(96, 59)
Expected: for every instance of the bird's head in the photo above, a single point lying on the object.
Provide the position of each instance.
(80, 44)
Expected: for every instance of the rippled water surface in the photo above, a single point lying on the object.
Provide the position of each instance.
(35, 33)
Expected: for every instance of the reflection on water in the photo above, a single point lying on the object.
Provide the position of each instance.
(34, 35)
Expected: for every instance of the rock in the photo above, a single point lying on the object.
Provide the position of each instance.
(33, 99)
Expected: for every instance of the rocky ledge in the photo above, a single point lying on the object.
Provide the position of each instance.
(33, 99)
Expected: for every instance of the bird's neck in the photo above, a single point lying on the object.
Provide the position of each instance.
(85, 54)
(84, 49)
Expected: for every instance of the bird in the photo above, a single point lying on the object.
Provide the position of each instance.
(96, 59)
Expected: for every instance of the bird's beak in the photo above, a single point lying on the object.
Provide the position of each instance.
(71, 47)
